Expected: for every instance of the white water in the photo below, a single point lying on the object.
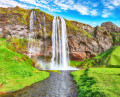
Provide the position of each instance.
(31, 34)
(31, 37)
(45, 48)
(60, 50)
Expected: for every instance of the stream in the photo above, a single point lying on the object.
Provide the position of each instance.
(57, 85)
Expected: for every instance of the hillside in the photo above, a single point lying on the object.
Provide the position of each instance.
(16, 70)
(84, 40)
(110, 58)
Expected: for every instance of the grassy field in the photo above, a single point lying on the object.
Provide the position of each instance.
(109, 58)
(16, 70)
(98, 82)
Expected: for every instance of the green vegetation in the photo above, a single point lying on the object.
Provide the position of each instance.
(17, 45)
(110, 58)
(75, 64)
(115, 37)
(16, 70)
(71, 26)
(98, 82)
(36, 10)
(2, 10)
(20, 14)
(23, 14)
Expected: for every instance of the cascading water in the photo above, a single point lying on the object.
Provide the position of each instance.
(60, 50)
(41, 61)
(45, 36)
(31, 34)
(31, 37)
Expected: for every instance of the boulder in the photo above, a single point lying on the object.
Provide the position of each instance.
(78, 55)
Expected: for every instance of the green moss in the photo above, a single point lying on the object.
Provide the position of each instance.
(89, 35)
(115, 37)
(72, 28)
(49, 17)
(2, 10)
(20, 13)
(98, 82)
(37, 10)
(17, 45)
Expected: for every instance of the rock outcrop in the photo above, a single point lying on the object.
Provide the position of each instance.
(110, 27)
(84, 41)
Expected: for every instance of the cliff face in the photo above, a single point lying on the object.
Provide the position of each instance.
(110, 27)
(84, 41)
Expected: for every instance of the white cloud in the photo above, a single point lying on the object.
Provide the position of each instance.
(55, 10)
(62, 4)
(94, 4)
(41, 3)
(72, 6)
(56, 5)
(3, 5)
(94, 12)
(116, 2)
(70, 2)
(110, 7)
(12, 3)
(29, 1)
(111, 4)
(82, 9)
(106, 13)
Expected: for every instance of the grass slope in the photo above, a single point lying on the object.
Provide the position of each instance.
(16, 70)
(110, 58)
(98, 82)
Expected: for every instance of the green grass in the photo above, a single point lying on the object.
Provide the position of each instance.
(110, 58)
(16, 70)
(98, 82)
(74, 63)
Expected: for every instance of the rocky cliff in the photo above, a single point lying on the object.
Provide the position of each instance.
(84, 41)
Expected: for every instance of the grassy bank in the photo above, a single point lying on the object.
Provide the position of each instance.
(16, 70)
(98, 82)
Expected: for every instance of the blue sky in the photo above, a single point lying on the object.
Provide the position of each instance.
(93, 12)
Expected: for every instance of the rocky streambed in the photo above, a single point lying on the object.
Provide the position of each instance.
(57, 85)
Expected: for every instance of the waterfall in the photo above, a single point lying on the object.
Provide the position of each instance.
(41, 61)
(45, 49)
(31, 21)
(60, 50)
(31, 35)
